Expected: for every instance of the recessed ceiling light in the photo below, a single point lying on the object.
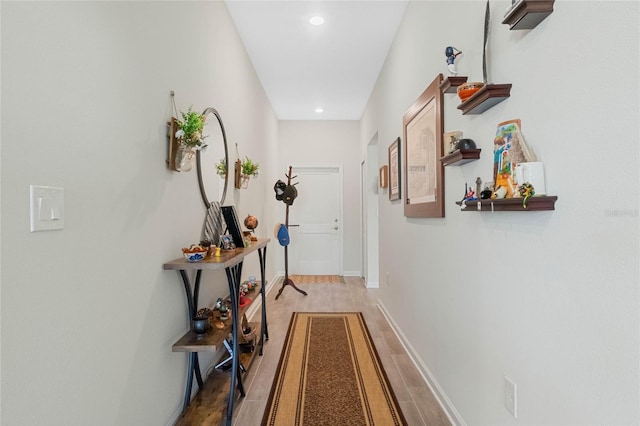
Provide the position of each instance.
(316, 20)
(319, 110)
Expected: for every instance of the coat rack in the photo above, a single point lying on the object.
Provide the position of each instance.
(287, 193)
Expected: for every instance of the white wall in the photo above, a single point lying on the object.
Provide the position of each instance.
(319, 143)
(88, 314)
(549, 299)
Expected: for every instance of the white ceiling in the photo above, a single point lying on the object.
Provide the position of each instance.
(333, 66)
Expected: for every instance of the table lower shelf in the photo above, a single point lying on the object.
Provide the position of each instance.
(212, 340)
(209, 405)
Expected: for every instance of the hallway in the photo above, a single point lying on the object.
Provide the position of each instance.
(416, 400)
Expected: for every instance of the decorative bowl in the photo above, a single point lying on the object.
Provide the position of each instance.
(195, 256)
(465, 90)
(200, 325)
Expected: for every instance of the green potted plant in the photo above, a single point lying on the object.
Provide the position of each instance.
(190, 129)
(190, 138)
(249, 168)
(221, 168)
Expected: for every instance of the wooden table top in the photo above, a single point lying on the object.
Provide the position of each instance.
(225, 260)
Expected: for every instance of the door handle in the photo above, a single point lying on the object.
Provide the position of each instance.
(335, 228)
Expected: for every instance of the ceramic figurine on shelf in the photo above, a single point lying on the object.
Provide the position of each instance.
(469, 194)
(224, 312)
(487, 192)
(451, 54)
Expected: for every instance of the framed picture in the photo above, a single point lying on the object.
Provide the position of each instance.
(382, 177)
(423, 125)
(233, 226)
(394, 170)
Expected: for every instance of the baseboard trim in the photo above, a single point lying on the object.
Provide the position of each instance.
(450, 410)
(372, 284)
(351, 274)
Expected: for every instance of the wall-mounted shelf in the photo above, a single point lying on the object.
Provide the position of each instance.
(510, 204)
(451, 83)
(460, 157)
(485, 98)
(527, 14)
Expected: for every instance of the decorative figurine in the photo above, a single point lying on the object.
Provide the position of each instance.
(479, 186)
(224, 312)
(469, 194)
(452, 53)
(487, 192)
(527, 191)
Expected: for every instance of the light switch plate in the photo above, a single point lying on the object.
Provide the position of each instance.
(47, 208)
(511, 397)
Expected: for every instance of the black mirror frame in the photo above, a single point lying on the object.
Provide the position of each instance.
(203, 193)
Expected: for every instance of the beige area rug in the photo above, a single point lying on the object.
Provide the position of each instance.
(330, 374)
(316, 279)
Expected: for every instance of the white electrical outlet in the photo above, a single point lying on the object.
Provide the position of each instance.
(511, 397)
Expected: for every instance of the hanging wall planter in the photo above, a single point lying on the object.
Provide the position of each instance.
(185, 138)
(244, 170)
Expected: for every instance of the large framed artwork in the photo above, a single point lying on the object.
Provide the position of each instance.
(394, 170)
(423, 125)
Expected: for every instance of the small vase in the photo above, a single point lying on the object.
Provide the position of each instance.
(244, 181)
(184, 158)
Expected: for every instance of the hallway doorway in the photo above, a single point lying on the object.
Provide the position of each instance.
(315, 222)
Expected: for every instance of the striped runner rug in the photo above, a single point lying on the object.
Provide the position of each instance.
(330, 374)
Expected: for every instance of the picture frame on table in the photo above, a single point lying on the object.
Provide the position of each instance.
(394, 170)
(233, 225)
(423, 125)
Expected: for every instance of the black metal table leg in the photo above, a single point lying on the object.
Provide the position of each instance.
(233, 277)
(264, 330)
(194, 363)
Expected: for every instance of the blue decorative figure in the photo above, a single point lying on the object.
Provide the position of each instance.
(451, 53)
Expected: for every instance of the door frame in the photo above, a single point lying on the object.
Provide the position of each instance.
(370, 214)
(300, 169)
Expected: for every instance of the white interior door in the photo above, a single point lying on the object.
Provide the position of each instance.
(315, 222)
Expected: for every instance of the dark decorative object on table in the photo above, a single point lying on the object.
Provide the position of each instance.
(200, 325)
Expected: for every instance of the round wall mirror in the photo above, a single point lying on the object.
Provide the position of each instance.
(213, 187)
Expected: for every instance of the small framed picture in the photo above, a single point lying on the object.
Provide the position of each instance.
(394, 170)
(382, 177)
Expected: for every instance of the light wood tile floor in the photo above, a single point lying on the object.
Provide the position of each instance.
(418, 404)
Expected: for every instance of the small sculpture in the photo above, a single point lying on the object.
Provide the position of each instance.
(469, 194)
(527, 191)
(451, 54)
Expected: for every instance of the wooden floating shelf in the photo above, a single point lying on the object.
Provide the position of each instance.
(451, 83)
(527, 14)
(510, 204)
(485, 98)
(460, 157)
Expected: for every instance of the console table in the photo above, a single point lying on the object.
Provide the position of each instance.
(231, 262)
